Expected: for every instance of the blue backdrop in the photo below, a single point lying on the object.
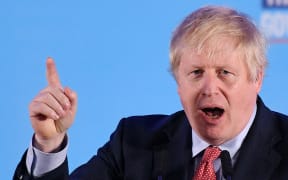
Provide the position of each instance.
(115, 55)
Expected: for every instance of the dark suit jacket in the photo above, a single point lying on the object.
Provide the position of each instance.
(154, 146)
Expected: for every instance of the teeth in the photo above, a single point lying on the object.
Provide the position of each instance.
(213, 112)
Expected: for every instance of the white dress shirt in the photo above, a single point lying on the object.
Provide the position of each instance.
(232, 146)
(39, 163)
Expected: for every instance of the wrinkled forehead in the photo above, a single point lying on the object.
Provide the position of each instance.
(214, 48)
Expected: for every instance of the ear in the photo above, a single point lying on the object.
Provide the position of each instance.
(259, 81)
(178, 90)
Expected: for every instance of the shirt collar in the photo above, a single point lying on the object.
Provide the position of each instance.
(232, 146)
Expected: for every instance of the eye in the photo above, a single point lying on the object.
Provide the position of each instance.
(224, 72)
(227, 75)
(197, 72)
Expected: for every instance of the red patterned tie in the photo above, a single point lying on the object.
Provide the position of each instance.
(205, 170)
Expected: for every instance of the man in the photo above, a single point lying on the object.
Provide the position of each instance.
(218, 61)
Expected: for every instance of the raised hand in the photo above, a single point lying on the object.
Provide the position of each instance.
(52, 111)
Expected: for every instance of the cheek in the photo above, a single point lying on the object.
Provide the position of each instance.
(187, 88)
(186, 93)
(188, 99)
(246, 95)
(183, 96)
(242, 95)
(241, 106)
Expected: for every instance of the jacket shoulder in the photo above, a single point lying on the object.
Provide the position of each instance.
(145, 130)
(282, 121)
(152, 123)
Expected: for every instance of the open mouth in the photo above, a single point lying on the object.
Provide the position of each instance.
(214, 112)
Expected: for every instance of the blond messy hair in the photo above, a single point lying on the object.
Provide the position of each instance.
(201, 29)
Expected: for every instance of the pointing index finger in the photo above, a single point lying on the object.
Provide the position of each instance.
(51, 74)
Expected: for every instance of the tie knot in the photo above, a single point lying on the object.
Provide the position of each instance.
(211, 153)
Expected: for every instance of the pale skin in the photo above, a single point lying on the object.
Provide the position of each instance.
(52, 111)
(221, 82)
(202, 83)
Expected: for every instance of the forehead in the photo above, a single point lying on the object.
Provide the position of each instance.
(219, 57)
(218, 49)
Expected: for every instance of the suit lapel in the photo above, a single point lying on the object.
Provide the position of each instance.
(173, 158)
(257, 157)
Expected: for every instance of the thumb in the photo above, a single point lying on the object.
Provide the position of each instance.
(72, 97)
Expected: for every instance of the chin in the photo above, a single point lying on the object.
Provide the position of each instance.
(215, 136)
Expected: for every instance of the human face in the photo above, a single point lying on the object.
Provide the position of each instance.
(216, 93)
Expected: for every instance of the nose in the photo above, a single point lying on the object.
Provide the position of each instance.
(210, 86)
